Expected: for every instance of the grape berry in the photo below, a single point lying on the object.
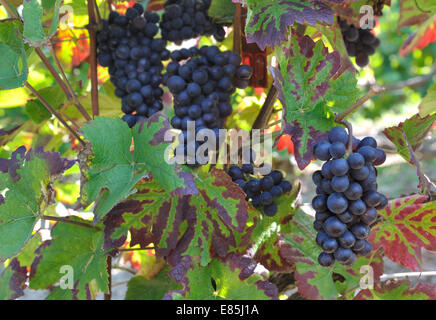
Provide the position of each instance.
(347, 200)
(187, 19)
(360, 43)
(127, 44)
(261, 191)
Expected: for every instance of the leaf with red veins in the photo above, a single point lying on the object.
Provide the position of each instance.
(398, 290)
(407, 138)
(268, 21)
(307, 80)
(200, 226)
(409, 225)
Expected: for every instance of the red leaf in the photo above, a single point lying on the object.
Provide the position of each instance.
(409, 226)
(421, 38)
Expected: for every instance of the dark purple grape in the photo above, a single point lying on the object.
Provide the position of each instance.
(346, 217)
(383, 202)
(321, 150)
(360, 231)
(339, 167)
(356, 161)
(337, 150)
(369, 217)
(338, 134)
(319, 203)
(371, 198)
(270, 209)
(334, 227)
(336, 203)
(342, 255)
(330, 245)
(340, 184)
(326, 259)
(354, 191)
(347, 240)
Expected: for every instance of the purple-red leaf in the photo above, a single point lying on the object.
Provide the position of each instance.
(409, 225)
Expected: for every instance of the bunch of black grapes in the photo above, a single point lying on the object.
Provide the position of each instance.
(360, 43)
(261, 191)
(202, 81)
(127, 44)
(187, 19)
(347, 200)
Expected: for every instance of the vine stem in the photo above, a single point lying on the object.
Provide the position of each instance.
(237, 29)
(266, 110)
(70, 95)
(8, 9)
(68, 89)
(374, 91)
(350, 135)
(54, 112)
(134, 249)
(93, 56)
(65, 220)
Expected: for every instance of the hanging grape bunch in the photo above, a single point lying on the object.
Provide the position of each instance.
(202, 82)
(360, 43)
(187, 19)
(127, 45)
(347, 200)
(260, 190)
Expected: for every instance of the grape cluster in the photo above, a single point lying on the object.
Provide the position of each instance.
(187, 19)
(347, 200)
(127, 44)
(360, 43)
(202, 81)
(260, 191)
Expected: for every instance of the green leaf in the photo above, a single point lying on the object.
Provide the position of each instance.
(221, 9)
(415, 12)
(13, 281)
(114, 170)
(207, 222)
(399, 290)
(34, 12)
(13, 65)
(308, 82)
(75, 246)
(428, 103)
(234, 279)
(141, 288)
(32, 16)
(407, 137)
(21, 208)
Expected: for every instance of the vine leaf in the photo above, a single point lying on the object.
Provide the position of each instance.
(428, 103)
(13, 277)
(314, 281)
(414, 12)
(268, 20)
(421, 38)
(234, 278)
(26, 176)
(198, 225)
(33, 14)
(141, 288)
(398, 290)
(307, 80)
(267, 237)
(114, 170)
(13, 65)
(77, 247)
(407, 137)
(408, 226)
(13, 280)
